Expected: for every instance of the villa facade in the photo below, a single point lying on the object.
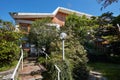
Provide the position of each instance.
(24, 20)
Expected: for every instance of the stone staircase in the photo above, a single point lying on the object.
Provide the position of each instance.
(31, 70)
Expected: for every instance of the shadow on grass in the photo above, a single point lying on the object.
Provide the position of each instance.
(109, 70)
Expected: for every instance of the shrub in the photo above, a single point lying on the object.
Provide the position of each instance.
(52, 72)
(8, 52)
(9, 49)
(73, 67)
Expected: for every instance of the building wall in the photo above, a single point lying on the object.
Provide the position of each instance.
(25, 28)
(59, 18)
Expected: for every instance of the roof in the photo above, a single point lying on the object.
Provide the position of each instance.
(40, 15)
(69, 11)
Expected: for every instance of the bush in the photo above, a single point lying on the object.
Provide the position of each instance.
(8, 52)
(52, 72)
(42, 60)
(73, 67)
(9, 49)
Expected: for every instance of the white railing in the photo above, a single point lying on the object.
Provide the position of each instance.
(118, 27)
(17, 67)
(58, 69)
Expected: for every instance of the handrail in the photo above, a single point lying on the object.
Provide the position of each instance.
(118, 27)
(58, 69)
(46, 55)
(15, 70)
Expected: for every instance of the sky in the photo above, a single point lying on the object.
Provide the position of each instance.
(48, 6)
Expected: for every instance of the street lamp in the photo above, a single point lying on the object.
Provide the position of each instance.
(63, 36)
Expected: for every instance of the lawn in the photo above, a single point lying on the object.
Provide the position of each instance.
(109, 70)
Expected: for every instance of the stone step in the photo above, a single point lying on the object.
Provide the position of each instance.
(29, 77)
(32, 58)
(29, 61)
(30, 69)
(28, 64)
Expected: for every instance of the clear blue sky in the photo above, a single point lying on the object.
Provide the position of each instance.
(41, 6)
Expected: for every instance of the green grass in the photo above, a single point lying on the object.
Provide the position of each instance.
(7, 67)
(109, 70)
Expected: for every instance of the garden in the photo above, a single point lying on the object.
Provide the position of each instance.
(91, 44)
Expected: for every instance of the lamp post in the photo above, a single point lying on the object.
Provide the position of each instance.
(63, 36)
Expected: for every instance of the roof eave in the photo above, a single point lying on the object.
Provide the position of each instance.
(30, 15)
(69, 11)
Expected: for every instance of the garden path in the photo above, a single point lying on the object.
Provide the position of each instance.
(31, 70)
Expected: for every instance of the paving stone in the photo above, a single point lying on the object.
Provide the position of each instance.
(7, 77)
(31, 70)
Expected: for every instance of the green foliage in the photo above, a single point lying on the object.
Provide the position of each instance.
(77, 57)
(52, 72)
(7, 25)
(41, 34)
(42, 60)
(75, 60)
(108, 34)
(25, 55)
(79, 26)
(106, 3)
(80, 72)
(111, 38)
(105, 18)
(7, 67)
(116, 20)
(9, 35)
(75, 53)
(9, 48)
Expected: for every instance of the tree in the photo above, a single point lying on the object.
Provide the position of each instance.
(105, 18)
(80, 26)
(9, 49)
(41, 34)
(76, 29)
(116, 20)
(7, 25)
(74, 66)
(107, 33)
(106, 3)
